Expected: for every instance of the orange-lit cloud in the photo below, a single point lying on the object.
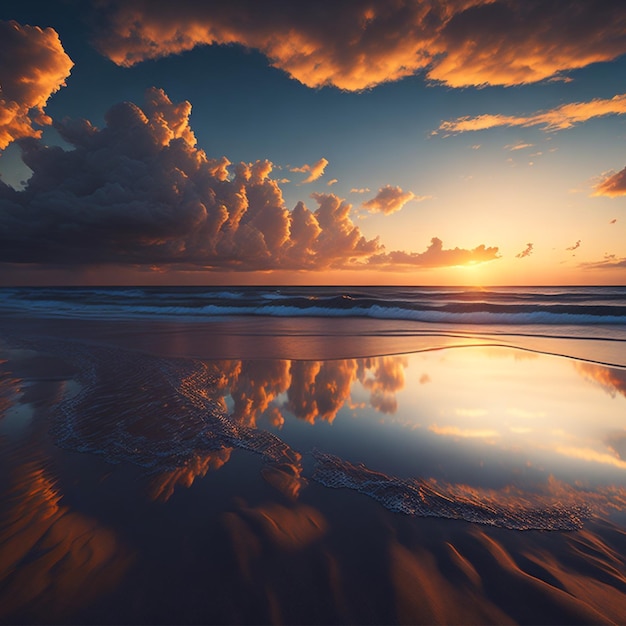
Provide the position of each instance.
(613, 185)
(575, 246)
(610, 261)
(559, 118)
(390, 199)
(354, 46)
(519, 146)
(435, 256)
(34, 66)
(140, 192)
(315, 171)
(526, 252)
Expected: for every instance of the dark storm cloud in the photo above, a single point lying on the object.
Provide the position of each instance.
(140, 192)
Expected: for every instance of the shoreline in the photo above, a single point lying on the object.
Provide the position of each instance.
(306, 338)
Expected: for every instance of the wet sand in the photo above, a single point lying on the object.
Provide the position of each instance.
(236, 534)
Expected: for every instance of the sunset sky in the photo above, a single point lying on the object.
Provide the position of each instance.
(358, 142)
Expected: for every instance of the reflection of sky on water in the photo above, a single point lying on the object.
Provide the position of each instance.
(490, 428)
(488, 416)
(524, 409)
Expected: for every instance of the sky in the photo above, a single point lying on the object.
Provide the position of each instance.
(431, 142)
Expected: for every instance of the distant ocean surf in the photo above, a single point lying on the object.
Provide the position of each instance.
(573, 313)
(581, 306)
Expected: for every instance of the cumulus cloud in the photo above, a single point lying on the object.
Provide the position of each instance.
(613, 185)
(332, 181)
(315, 171)
(435, 256)
(140, 193)
(389, 200)
(360, 190)
(353, 46)
(33, 66)
(526, 252)
(559, 118)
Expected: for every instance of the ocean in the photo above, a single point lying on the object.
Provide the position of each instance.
(572, 306)
(312, 455)
(591, 321)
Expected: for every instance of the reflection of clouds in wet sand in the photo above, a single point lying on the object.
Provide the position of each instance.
(162, 413)
(52, 559)
(314, 390)
(162, 487)
(611, 379)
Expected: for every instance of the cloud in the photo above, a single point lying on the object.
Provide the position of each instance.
(389, 200)
(613, 185)
(354, 46)
(361, 190)
(613, 221)
(610, 262)
(575, 246)
(140, 192)
(332, 181)
(526, 252)
(559, 118)
(34, 66)
(435, 256)
(518, 146)
(315, 171)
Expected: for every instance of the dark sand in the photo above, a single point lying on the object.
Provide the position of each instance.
(227, 538)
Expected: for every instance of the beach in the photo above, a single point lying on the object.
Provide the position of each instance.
(258, 469)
